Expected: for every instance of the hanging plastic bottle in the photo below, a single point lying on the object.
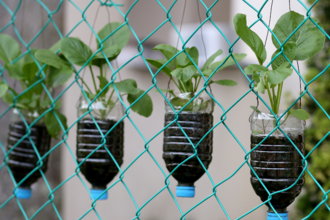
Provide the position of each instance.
(100, 168)
(196, 120)
(23, 158)
(276, 161)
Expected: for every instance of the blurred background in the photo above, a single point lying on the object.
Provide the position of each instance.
(144, 178)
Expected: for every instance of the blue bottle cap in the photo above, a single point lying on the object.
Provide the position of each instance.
(23, 193)
(273, 216)
(97, 192)
(185, 191)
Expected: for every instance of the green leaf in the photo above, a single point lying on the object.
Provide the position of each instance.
(51, 59)
(228, 63)
(193, 53)
(119, 38)
(189, 87)
(289, 49)
(225, 82)
(308, 38)
(206, 72)
(103, 83)
(30, 68)
(52, 124)
(127, 86)
(9, 48)
(211, 59)
(300, 114)
(111, 53)
(57, 78)
(144, 106)
(75, 51)
(182, 59)
(158, 64)
(188, 73)
(3, 88)
(257, 132)
(250, 37)
(260, 87)
(168, 51)
(177, 73)
(180, 102)
(255, 109)
(8, 98)
(279, 75)
(15, 71)
(254, 69)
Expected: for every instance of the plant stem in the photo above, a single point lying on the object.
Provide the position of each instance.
(182, 85)
(199, 80)
(279, 94)
(270, 96)
(90, 67)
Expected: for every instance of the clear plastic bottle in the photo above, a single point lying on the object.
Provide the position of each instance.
(276, 161)
(196, 120)
(99, 169)
(22, 157)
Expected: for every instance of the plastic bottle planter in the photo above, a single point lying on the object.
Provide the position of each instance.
(99, 169)
(23, 158)
(196, 120)
(276, 161)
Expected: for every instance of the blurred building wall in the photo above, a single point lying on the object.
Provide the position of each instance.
(144, 178)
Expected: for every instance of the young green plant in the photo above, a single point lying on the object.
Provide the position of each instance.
(34, 98)
(78, 53)
(291, 45)
(184, 74)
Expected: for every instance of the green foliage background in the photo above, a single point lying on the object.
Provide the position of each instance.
(319, 160)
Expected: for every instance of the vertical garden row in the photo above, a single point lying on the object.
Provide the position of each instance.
(277, 155)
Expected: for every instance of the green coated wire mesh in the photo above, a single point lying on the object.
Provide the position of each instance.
(116, 6)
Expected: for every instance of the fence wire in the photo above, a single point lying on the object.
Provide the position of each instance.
(113, 5)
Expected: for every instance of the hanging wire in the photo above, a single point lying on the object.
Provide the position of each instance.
(269, 22)
(177, 43)
(89, 44)
(202, 37)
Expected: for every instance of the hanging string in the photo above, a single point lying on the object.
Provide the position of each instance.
(200, 21)
(290, 5)
(21, 32)
(269, 22)
(90, 42)
(111, 38)
(299, 85)
(116, 61)
(300, 90)
(177, 44)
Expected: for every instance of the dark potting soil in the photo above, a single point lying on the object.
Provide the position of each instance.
(23, 158)
(278, 164)
(177, 147)
(99, 169)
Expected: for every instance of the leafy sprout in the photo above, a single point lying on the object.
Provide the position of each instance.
(291, 43)
(182, 68)
(34, 98)
(111, 42)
